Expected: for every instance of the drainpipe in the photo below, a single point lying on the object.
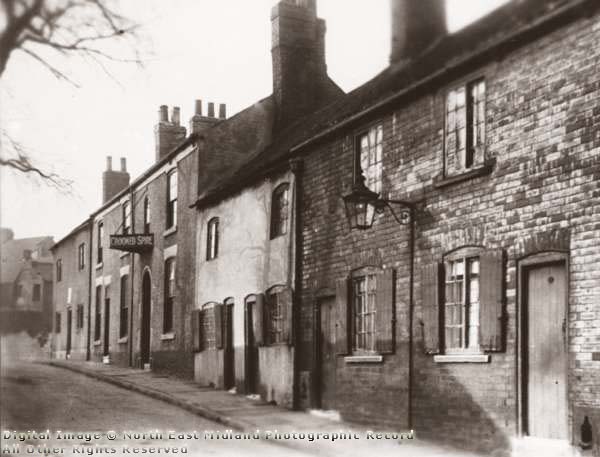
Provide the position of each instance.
(297, 165)
(88, 353)
(131, 271)
(411, 305)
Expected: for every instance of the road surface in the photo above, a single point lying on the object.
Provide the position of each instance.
(72, 407)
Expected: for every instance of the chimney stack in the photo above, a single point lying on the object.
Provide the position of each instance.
(298, 53)
(199, 123)
(114, 181)
(416, 25)
(222, 111)
(168, 134)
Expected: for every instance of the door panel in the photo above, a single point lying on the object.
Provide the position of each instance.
(69, 335)
(229, 354)
(251, 369)
(145, 330)
(327, 354)
(547, 352)
(106, 325)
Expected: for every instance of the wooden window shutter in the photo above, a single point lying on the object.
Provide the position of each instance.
(431, 296)
(196, 330)
(385, 317)
(287, 299)
(259, 320)
(218, 313)
(342, 335)
(491, 298)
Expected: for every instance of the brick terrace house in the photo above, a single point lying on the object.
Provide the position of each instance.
(472, 320)
(477, 322)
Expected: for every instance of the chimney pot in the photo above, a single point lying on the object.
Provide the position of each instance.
(211, 109)
(222, 111)
(163, 113)
(198, 109)
(108, 163)
(175, 115)
(123, 164)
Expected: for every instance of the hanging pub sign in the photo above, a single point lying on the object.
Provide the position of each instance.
(132, 243)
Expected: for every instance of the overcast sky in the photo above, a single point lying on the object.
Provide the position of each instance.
(215, 50)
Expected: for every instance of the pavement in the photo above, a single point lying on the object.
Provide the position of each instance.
(239, 413)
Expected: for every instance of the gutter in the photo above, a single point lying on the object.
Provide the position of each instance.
(88, 352)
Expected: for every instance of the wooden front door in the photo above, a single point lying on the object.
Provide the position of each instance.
(251, 365)
(145, 329)
(69, 323)
(546, 352)
(229, 353)
(327, 353)
(106, 323)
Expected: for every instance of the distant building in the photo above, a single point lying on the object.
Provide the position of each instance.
(25, 283)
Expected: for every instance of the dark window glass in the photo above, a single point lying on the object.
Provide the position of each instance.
(172, 199)
(146, 215)
(59, 270)
(57, 323)
(126, 218)
(279, 211)
(169, 295)
(212, 239)
(99, 253)
(37, 292)
(81, 256)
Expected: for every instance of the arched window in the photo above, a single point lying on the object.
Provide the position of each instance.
(212, 239)
(279, 210)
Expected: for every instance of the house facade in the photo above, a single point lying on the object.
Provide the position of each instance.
(71, 297)
(479, 313)
(468, 302)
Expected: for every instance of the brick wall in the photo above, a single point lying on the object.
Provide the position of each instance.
(542, 116)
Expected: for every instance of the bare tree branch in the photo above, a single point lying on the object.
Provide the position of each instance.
(21, 162)
(80, 28)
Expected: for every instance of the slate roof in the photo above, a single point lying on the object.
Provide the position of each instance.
(504, 29)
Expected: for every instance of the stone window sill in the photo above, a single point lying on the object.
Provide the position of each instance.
(462, 358)
(170, 231)
(124, 254)
(482, 170)
(99, 265)
(374, 358)
(167, 336)
(97, 342)
(124, 340)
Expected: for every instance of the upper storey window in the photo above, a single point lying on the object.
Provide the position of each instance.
(369, 157)
(172, 199)
(279, 211)
(465, 127)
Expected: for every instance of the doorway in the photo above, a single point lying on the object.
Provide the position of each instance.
(69, 323)
(229, 352)
(251, 353)
(106, 322)
(544, 350)
(145, 328)
(326, 354)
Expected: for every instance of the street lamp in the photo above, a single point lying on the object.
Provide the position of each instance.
(362, 204)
